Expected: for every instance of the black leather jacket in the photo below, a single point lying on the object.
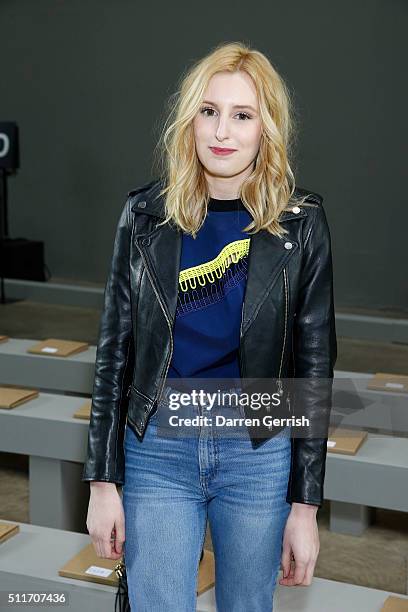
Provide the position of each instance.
(287, 328)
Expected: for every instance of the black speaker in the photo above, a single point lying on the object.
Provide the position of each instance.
(23, 259)
(9, 146)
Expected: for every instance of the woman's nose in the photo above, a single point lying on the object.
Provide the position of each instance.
(222, 129)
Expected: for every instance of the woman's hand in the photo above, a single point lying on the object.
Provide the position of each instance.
(106, 520)
(300, 539)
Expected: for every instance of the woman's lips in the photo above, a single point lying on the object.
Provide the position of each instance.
(218, 151)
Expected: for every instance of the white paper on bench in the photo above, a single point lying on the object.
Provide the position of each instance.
(95, 570)
(394, 385)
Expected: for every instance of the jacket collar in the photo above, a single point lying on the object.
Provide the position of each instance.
(148, 201)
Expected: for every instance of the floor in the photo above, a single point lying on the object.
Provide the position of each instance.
(377, 559)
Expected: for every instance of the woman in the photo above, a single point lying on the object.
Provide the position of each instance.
(221, 269)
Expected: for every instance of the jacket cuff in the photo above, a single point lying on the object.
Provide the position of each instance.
(93, 478)
(308, 471)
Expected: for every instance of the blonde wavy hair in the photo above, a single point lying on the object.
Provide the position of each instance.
(269, 189)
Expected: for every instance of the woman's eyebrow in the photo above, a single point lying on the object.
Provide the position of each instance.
(235, 105)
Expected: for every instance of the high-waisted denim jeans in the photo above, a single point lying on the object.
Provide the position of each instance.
(172, 485)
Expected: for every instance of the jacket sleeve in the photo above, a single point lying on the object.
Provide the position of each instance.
(113, 367)
(315, 354)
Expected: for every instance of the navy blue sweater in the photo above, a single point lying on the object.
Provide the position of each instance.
(212, 281)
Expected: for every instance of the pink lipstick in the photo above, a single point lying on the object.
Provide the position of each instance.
(222, 151)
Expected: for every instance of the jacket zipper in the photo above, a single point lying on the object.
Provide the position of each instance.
(240, 338)
(158, 395)
(129, 389)
(279, 381)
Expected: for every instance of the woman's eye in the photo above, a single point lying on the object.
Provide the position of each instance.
(203, 110)
(244, 115)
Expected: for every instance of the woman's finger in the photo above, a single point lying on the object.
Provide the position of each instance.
(288, 580)
(120, 537)
(286, 557)
(307, 581)
(300, 571)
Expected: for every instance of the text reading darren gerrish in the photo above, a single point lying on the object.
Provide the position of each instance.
(254, 401)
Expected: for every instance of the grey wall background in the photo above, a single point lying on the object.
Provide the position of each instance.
(87, 81)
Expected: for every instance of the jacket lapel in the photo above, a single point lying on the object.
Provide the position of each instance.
(163, 255)
(266, 260)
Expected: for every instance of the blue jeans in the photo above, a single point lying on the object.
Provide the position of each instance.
(172, 485)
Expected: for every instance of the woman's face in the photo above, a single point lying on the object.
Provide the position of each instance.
(228, 119)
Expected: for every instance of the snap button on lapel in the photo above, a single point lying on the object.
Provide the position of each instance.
(142, 204)
(296, 209)
(288, 245)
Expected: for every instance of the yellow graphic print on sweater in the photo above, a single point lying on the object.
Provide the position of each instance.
(207, 283)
